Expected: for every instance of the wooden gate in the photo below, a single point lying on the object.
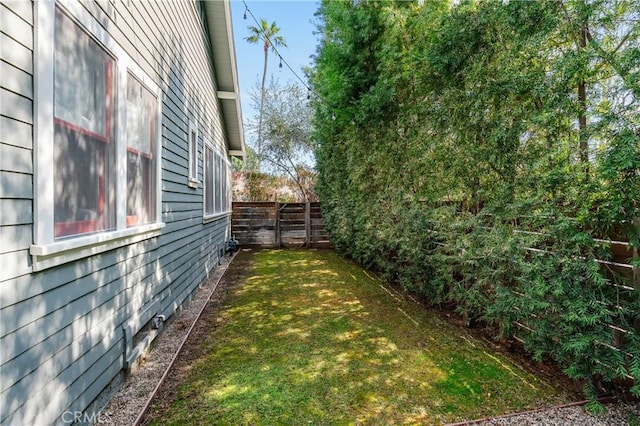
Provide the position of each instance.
(272, 224)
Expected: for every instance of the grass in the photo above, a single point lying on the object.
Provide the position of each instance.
(309, 338)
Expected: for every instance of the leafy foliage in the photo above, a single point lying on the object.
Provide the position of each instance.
(473, 152)
(251, 185)
(287, 151)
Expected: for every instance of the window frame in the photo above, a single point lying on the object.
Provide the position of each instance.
(153, 155)
(102, 143)
(192, 153)
(208, 147)
(47, 250)
(219, 158)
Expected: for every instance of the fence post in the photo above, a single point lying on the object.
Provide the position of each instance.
(307, 223)
(636, 271)
(276, 206)
(636, 254)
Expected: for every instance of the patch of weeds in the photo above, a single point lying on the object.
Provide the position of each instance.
(595, 408)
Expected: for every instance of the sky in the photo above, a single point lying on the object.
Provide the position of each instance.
(295, 20)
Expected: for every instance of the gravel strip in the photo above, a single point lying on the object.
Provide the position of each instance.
(125, 405)
(616, 414)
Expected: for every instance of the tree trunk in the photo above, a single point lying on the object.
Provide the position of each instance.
(582, 122)
(264, 77)
(582, 100)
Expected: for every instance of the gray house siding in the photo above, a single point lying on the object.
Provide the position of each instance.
(16, 120)
(66, 331)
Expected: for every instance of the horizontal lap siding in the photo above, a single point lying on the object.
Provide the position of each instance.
(62, 328)
(16, 118)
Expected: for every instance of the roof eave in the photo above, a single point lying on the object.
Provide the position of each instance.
(218, 16)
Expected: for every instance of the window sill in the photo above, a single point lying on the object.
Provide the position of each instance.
(215, 216)
(49, 255)
(193, 183)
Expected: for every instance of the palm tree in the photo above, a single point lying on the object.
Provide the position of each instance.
(269, 35)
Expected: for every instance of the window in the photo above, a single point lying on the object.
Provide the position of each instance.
(209, 180)
(193, 155)
(97, 132)
(216, 190)
(141, 140)
(84, 149)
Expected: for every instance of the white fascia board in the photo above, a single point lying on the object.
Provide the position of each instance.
(228, 95)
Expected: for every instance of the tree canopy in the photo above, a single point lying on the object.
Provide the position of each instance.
(287, 152)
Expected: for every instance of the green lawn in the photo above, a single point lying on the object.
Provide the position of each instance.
(308, 338)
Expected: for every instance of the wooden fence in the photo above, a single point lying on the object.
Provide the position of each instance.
(273, 224)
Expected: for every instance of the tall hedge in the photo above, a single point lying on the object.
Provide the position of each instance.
(473, 153)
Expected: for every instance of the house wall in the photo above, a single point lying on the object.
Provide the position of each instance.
(62, 329)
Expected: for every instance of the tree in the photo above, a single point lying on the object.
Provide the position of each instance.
(268, 34)
(250, 163)
(287, 148)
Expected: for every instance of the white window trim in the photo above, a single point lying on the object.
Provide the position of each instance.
(228, 190)
(47, 251)
(216, 216)
(193, 181)
(225, 159)
(205, 183)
